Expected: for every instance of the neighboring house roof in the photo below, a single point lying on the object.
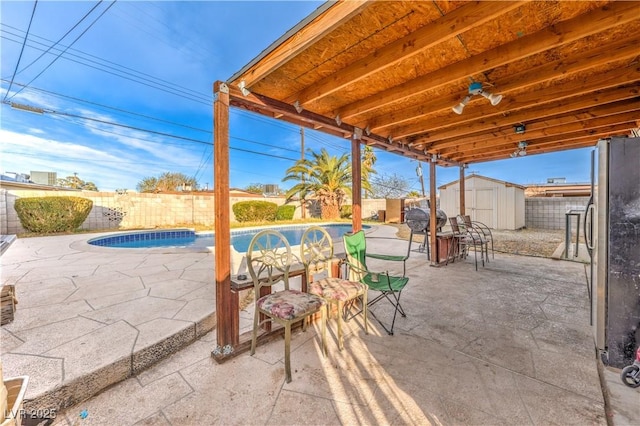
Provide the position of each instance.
(558, 190)
(474, 176)
(237, 192)
(12, 184)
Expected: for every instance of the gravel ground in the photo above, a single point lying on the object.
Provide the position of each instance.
(529, 242)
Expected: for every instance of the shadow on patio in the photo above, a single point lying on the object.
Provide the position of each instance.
(509, 344)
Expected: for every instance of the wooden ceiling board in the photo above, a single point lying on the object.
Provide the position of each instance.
(562, 33)
(528, 99)
(582, 138)
(531, 136)
(568, 69)
(395, 53)
(598, 116)
(629, 93)
(624, 51)
(375, 25)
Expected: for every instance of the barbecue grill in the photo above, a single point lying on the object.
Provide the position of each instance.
(417, 219)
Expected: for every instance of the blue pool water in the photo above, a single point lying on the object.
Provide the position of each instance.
(240, 238)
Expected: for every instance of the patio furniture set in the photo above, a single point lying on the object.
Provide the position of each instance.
(270, 260)
(324, 291)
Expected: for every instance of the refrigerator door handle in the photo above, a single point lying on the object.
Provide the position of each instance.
(588, 236)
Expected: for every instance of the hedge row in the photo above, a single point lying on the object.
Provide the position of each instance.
(262, 211)
(52, 214)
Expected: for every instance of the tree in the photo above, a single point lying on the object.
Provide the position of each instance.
(413, 194)
(368, 160)
(167, 182)
(325, 176)
(76, 183)
(254, 188)
(389, 186)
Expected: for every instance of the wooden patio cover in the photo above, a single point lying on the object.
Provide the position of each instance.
(387, 74)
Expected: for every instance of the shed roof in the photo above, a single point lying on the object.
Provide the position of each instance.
(390, 73)
(475, 176)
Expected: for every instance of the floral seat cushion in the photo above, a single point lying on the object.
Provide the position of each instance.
(336, 289)
(289, 304)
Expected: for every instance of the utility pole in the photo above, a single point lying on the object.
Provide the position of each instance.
(302, 200)
(419, 173)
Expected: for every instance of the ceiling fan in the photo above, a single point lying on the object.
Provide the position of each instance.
(475, 88)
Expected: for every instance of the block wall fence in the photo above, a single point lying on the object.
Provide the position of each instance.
(141, 210)
(549, 212)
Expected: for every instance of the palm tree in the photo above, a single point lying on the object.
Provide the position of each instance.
(368, 160)
(325, 176)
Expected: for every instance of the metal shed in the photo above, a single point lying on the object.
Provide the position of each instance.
(498, 204)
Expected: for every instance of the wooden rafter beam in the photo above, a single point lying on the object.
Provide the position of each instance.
(626, 121)
(598, 20)
(537, 113)
(562, 68)
(543, 123)
(557, 146)
(269, 107)
(553, 141)
(449, 26)
(299, 40)
(471, 143)
(547, 95)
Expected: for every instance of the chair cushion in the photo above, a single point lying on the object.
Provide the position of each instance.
(336, 289)
(289, 304)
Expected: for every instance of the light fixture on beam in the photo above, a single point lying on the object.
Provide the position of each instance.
(458, 108)
(519, 128)
(297, 106)
(243, 88)
(521, 151)
(475, 88)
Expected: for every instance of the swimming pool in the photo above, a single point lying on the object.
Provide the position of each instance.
(185, 238)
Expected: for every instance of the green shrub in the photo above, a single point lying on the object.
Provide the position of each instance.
(52, 214)
(285, 212)
(346, 211)
(255, 211)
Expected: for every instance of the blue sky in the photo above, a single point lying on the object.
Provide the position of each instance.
(128, 92)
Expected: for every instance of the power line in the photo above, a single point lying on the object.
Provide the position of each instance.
(24, 43)
(114, 108)
(119, 70)
(208, 102)
(264, 144)
(72, 43)
(61, 38)
(145, 130)
(65, 114)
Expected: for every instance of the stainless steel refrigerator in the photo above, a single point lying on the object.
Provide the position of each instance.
(613, 240)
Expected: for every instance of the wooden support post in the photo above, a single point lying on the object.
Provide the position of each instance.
(462, 191)
(356, 185)
(433, 222)
(227, 310)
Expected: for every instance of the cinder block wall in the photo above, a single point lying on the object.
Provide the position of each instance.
(550, 212)
(140, 210)
(3, 210)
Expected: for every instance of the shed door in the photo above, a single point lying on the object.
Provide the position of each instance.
(484, 207)
(480, 205)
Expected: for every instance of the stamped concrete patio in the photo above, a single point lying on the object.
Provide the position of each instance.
(509, 344)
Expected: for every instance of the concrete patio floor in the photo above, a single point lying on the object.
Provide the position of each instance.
(509, 344)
